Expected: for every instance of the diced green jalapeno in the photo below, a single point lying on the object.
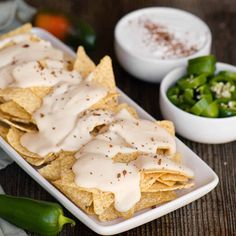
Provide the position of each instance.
(188, 96)
(203, 93)
(200, 65)
(211, 111)
(200, 106)
(192, 82)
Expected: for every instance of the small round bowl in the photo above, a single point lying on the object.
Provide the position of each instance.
(196, 128)
(153, 69)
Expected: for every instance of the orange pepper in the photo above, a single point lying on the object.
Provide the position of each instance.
(58, 25)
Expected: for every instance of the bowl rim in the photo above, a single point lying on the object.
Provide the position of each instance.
(170, 10)
(170, 76)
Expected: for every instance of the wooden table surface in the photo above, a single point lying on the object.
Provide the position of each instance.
(213, 214)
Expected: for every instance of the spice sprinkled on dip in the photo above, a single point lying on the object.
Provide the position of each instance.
(149, 36)
(161, 37)
(151, 42)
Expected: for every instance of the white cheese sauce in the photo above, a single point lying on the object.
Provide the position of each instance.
(65, 122)
(57, 118)
(95, 167)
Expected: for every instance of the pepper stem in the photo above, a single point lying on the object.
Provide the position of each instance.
(65, 220)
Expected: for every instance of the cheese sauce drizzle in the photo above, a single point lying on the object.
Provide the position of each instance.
(57, 119)
(65, 122)
(95, 167)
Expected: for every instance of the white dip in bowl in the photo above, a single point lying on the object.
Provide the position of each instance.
(152, 41)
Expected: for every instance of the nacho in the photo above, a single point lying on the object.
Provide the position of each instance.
(96, 151)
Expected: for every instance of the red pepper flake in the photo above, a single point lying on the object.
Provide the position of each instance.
(118, 175)
(110, 145)
(124, 172)
(42, 115)
(25, 46)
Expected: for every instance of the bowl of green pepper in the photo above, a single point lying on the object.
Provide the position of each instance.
(201, 100)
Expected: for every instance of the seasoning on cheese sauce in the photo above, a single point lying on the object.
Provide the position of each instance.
(95, 168)
(58, 121)
(65, 122)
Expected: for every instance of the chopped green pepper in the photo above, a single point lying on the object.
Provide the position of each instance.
(211, 111)
(200, 106)
(172, 94)
(192, 82)
(203, 93)
(188, 96)
(200, 65)
(204, 89)
(228, 74)
(43, 218)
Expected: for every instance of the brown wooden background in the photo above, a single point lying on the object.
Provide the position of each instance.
(213, 214)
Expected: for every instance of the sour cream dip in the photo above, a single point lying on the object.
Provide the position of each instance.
(152, 41)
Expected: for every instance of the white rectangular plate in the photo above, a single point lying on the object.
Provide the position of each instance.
(205, 178)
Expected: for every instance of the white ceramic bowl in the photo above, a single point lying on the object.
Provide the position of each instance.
(196, 128)
(153, 69)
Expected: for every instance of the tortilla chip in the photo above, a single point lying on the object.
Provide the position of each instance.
(130, 109)
(41, 92)
(109, 214)
(81, 198)
(174, 177)
(19, 126)
(168, 125)
(13, 109)
(3, 130)
(148, 179)
(177, 158)
(169, 183)
(23, 97)
(153, 199)
(101, 201)
(51, 171)
(108, 103)
(126, 157)
(35, 161)
(103, 74)
(13, 138)
(159, 187)
(21, 30)
(83, 64)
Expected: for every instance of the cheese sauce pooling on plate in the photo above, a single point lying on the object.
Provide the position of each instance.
(66, 122)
